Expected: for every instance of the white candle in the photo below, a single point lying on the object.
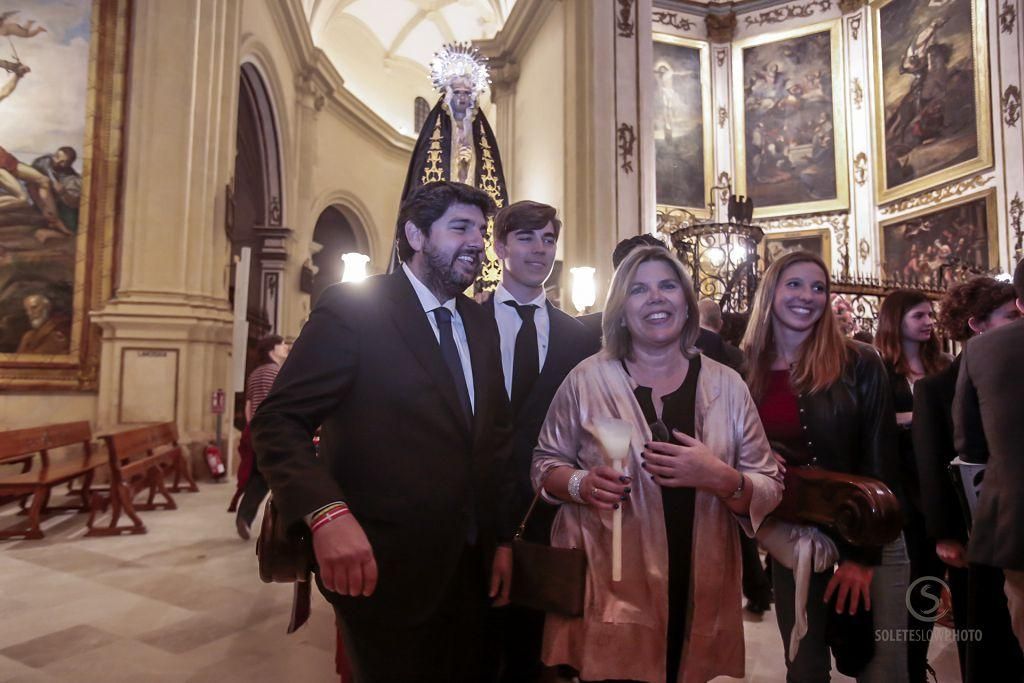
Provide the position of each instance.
(614, 435)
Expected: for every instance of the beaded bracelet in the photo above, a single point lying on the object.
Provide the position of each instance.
(328, 516)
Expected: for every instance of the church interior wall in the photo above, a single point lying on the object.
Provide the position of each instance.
(855, 228)
(570, 86)
(539, 142)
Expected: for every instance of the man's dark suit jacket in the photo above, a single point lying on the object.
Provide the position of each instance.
(592, 323)
(714, 347)
(934, 450)
(394, 444)
(569, 342)
(989, 423)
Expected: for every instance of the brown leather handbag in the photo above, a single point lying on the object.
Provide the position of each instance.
(285, 555)
(546, 578)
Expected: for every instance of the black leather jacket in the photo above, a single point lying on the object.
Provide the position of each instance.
(851, 427)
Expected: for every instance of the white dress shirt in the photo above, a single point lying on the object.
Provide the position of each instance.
(509, 323)
(429, 302)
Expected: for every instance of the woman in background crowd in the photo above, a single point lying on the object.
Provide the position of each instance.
(908, 344)
(968, 309)
(698, 460)
(825, 400)
(270, 354)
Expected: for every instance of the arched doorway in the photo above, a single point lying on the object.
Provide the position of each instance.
(333, 236)
(256, 210)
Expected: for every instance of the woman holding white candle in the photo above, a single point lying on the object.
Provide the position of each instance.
(697, 460)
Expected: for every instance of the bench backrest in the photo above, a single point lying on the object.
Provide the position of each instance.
(140, 441)
(17, 443)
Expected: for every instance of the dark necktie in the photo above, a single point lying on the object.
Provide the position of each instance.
(526, 359)
(452, 360)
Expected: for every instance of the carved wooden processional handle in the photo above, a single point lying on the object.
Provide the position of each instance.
(862, 511)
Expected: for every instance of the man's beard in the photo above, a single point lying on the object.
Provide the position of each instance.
(441, 273)
(37, 321)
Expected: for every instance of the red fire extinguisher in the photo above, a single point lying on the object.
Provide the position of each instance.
(214, 460)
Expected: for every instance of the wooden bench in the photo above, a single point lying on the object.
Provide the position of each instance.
(140, 459)
(22, 446)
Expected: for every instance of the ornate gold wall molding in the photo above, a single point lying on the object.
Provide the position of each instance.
(1016, 210)
(863, 249)
(780, 14)
(624, 19)
(857, 92)
(720, 55)
(723, 116)
(1011, 105)
(1007, 17)
(627, 140)
(847, 6)
(721, 27)
(860, 168)
(935, 196)
(672, 19)
(726, 182)
(854, 24)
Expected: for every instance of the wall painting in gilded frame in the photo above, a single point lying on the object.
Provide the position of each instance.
(62, 95)
(818, 241)
(683, 124)
(789, 121)
(932, 111)
(915, 246)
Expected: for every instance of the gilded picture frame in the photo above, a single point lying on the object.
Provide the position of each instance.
(914, 235)
(789, 121)
(75, 365)
(818, 241)
(926, 134)
(678, 161)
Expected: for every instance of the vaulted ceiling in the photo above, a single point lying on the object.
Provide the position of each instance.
(383, 48)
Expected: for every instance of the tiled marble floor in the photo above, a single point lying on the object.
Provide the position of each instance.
(184, 603)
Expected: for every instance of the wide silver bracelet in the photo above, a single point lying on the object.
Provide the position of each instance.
(574, 485)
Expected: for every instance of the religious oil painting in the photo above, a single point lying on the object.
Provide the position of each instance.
(789, 127)
(929, 247)
(932, 108)
(56, 210)
(816, 241)
(683, 145)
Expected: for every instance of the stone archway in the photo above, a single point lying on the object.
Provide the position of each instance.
(257, 209)
(337, 231)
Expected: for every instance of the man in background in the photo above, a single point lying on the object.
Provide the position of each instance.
(989, 429)
(710, 340)
(592, 321)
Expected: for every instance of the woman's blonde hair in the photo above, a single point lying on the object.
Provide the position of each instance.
(617, 340)
(820, 359)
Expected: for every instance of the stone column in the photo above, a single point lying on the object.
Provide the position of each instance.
(503, 94)
(167, 329)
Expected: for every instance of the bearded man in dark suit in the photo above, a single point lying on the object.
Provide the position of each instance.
(540, 344)
(406, 499)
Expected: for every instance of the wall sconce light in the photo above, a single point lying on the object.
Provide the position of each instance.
(353, 267)
(584, 289)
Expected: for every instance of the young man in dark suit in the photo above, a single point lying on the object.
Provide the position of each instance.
(539, 346)
(988, 428)
(406, 499)
(592, 321)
